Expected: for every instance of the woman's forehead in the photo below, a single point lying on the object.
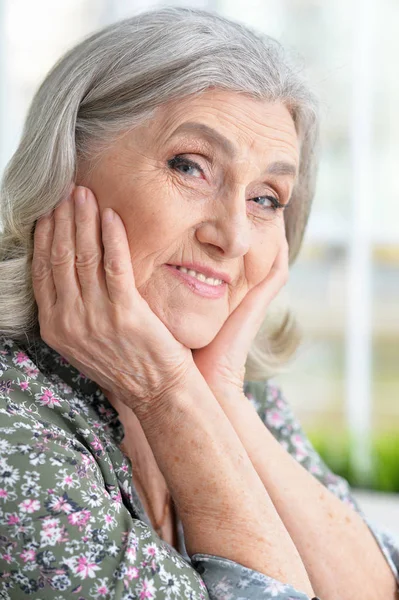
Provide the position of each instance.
(231, 122)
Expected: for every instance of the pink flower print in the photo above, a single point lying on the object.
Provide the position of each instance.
(131, 553)
(32, 372)
(47, 398)
(29, 506)
(150, 550)
(61, 504)
(298, 443)
(97, 445)
(21, 359)
(28, 555)
(85, 460)
(315, 470)
(85, 568)
(13, 519)
(132, 573)
(3, 493)
(24, 385)
(68, 480)
(79, 518)
(274, 392)
(109, 520)
(300, 455)
(274, 419)
(102, 590)
(299, 448)
(52, 532)
(7, 557)
(117, 497)
(146, 589)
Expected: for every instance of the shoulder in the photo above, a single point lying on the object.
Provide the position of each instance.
(21, 379)
(45, 427)
(68, 523)
(271, 406)
(37, 430)
(44, 388)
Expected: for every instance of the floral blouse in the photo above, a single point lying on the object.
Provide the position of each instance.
(71, 522)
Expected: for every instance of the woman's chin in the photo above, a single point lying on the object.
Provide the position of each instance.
(193, 338)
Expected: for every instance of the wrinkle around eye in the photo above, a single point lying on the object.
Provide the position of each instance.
(181, 162)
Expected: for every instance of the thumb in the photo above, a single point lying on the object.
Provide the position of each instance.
(245, 321)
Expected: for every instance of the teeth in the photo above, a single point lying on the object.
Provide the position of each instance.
(200, 276)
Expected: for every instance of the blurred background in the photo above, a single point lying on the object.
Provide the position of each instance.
(344, 288)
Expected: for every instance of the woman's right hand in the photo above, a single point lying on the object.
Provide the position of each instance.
(90, 310)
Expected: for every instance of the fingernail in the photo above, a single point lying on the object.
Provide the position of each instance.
(108, 215)
(80, 195)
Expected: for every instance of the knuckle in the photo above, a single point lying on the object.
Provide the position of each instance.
(41, 268)
(115, 267)
(87, 260)
(68, 328)
(88, 214)
(60, 254)
(122, 322)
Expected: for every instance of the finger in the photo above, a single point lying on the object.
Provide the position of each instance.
(89, 252)
(42, 275)
(244, 322)
(257, 301)
(118, 268)
(63, 253)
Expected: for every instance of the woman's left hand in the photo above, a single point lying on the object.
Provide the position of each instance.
(222, 362)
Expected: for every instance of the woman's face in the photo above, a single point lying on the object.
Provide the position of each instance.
(217, 213)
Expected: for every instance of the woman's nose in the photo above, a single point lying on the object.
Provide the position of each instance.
(228, 228)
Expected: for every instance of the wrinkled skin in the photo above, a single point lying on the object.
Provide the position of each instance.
(171, 216)
(212, 215)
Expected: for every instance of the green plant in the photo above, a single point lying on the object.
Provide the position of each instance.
(334, 449)
(386, 462)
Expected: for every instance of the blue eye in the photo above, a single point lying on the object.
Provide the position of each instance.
(178, 162)
(275, 203)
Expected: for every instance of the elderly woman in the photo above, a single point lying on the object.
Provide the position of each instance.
(160, 190)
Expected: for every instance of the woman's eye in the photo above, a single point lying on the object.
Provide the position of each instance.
(184, 165)
(188, 167)
(267, 202)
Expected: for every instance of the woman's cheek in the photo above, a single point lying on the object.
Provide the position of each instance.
(259, 261)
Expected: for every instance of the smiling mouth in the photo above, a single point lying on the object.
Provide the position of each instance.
(200, 276)
(198, 282)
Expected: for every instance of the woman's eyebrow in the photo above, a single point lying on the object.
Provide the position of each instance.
(281, 167)
(213, 136)
(209, 134)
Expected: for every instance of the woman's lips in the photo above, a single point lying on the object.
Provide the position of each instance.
(199, 287)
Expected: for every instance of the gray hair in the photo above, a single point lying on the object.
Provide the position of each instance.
(110, 82)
